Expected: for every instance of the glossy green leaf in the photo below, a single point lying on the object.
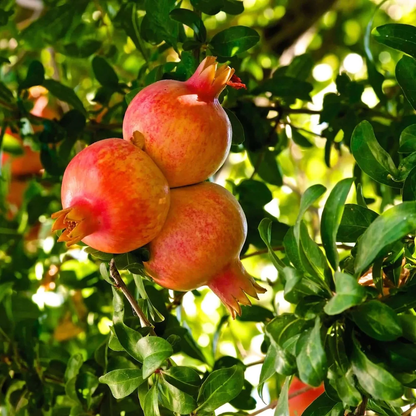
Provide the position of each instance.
(183, 378)
(397, 36)
(355, 220)
(324, 406)
(300, 139)
(234, 40)
(233, 7)
(210, 7)
(408, 324)
(377, 320)
(408, 139)
(286, 87)
(154, 351)
(265, 230)
(237, 128)
(122, 382)
(349, 293)
(175, 399)
(282, 408)
(344, 385)
(35, 75)
(409, 187)
(191, 19)
(151, 402)
(331, 219)
(406, 77)
(73, 367)
(389, 227)
(64, 93)
(219, 388)
(374, 379)
(267, 166)
(371, 157)
(311, 358)
(104, 73)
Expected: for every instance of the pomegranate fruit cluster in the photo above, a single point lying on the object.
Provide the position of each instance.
(149, 188)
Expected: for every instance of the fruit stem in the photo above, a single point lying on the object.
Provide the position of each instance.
(114, 273)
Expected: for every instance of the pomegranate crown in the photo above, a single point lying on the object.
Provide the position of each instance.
(209, 80)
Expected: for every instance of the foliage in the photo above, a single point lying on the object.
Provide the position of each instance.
(341, 309)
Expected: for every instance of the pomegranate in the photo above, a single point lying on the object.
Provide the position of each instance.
(114, 198)
(200, 245)
(299, 402)
(181, 125)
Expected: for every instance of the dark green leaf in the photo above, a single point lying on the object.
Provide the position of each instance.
(349, 293)
(184, 378)
(210, 7)
(82, 50)
(233, 7)
(191, 19)
(104, 73)
(130, 262)
(267, 167)
(64, 93)
(234, 40)
(237, 128)
(389, 227)
(287, 87)
(344, 385)
(174, 399)
(220, 387)
(355, 220)
(300, 139)
(311, 357)
(406, 77)
(371, 157)
(408, 139)
(397, 36)
(373, 378)
(5, 15)
(331, 219)
(265, 230)
(122, 382)
(35, 75)
(409, 187)
(378, 321)
(255, 313)
(154, 351)
(323, 406)
(408, 324)
(282, 408)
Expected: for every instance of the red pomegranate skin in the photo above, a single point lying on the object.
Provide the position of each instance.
(200, 245)
(299, 403)
(181, 125)
(114, 198)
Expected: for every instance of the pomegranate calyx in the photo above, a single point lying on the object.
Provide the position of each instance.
(208, 80)
(76, 223)
(232, 285)
(236, 83)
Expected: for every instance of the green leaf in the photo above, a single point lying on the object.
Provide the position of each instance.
(268, 368)
(311, 357)
(300, 139)
(355, 220)
(5, 15)
(409, 187)
(331, 219)
(255, 313)
(397, 36)
(183, 378)
(35, 75)
(154, 351)
(286, 87)
(5, 289)
(388, 228)
(265, 230)
(349, 293)
(233, 7)
(371, 157)
(104, 73)
(267, 166)
(191, 19)
(210, 7)
(282, 408)
(343, 383)
(377, 320)
(86, 48)
(373, 378)
(308, 198)
(86, 384)
(130, 262)
(234, 40)
(64, 93)
(324, 406)
(408, 139)
(219, 388)
(122, 382)
(151, 402)
(73, 367)
(174, 399)
(408, 324)
(406, 77)
(237, 128)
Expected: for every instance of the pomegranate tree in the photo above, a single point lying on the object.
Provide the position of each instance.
(181, 125)
(200, 245)
(114, 198)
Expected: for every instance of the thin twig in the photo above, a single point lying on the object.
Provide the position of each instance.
(409, 411)
(255, 363)
(114, 273)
